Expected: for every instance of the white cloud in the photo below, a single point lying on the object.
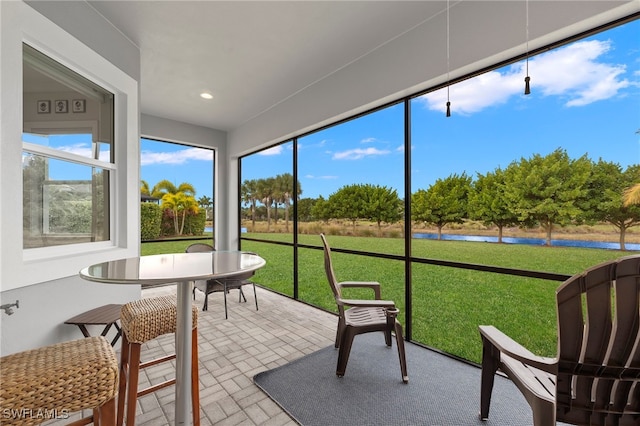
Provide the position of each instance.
(574, 73)
(357, 154)
(177, 157)
(321, 177)
(368, 140)
(571, 72)
(84, 150)
(275, 150)
(81, 149)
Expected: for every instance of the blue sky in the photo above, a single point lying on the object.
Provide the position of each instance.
(177, 164)
(585, 98)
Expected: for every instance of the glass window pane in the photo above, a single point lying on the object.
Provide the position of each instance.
(268, 193)
(63, 202)
(277, 274)
(547, 168)
(59, 102)
(352, 179)
(179, 178)
(450, 303)
(73, 143)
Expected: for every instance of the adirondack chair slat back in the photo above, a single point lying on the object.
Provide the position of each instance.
(598, 379)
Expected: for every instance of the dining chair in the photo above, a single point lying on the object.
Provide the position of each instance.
(221, 284)
(362, 316)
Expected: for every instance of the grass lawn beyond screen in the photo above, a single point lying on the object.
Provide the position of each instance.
(448, 303)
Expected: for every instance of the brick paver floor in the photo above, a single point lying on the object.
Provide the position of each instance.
(231, 352)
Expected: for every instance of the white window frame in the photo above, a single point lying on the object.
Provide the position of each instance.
(20, 24)
(56, 127)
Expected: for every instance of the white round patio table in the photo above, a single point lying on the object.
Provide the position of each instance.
(180, 268)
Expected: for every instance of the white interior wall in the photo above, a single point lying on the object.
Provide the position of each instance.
(44, 308)
(49, 289)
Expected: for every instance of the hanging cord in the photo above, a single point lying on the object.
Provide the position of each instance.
(527, 79)
(448, 65)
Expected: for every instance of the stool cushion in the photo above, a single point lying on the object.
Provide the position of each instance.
(61, 378)
(145, 319)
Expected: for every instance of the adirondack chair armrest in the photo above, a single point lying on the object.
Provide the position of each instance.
(367, 303)
(375, 286)
(513, 349)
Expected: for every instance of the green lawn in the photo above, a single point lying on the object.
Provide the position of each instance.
(448, 303)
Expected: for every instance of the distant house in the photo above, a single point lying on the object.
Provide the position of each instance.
(149, 199)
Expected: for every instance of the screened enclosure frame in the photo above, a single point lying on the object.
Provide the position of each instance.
(408, 258)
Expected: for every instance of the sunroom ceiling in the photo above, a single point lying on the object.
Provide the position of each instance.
(254, 55)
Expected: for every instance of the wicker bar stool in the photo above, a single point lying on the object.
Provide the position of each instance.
(141, 321)
(57, 380)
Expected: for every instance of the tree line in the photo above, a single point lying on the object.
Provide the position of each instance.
(545, 191)
(272, 192)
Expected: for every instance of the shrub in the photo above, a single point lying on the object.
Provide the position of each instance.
(194, 223)
(150, 219)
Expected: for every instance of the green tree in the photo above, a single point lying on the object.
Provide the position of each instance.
(349, 202)
(607, 186)
(321, 209)
(305, 208)
(488, 203)
(444, 202)
(382, 204)
(548, 190)
(34, 173)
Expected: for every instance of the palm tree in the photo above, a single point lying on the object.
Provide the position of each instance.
(167, 187)
(179, 204)
(144, 188)
(249, 194)
(285, 189)
(631, 195)
(179, 199)
(265, 194)
(206, 203)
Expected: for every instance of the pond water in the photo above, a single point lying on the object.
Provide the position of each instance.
(514, 240)
(210, 229)
(530, 241)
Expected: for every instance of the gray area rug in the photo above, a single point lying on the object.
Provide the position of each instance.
(441, 391)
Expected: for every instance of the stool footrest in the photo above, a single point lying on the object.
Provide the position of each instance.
(154, 388)
(83, 421)
(157, 361)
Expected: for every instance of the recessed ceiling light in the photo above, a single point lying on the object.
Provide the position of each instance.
(206, 95)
